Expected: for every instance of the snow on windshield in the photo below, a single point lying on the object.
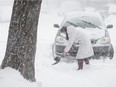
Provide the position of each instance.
(84, 22)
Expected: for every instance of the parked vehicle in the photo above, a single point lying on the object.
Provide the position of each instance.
(94, 25)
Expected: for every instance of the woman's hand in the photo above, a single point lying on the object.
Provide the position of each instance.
(64, 54)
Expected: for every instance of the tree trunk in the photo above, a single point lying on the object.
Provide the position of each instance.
(21, 44)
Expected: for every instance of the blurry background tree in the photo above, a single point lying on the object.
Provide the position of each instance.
(59, 5)
(21, 44)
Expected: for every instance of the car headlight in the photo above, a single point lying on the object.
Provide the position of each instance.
(103, 40)
(61, 40)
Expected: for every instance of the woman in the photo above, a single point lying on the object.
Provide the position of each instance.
(85, 50)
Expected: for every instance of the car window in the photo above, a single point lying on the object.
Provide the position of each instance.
(84, 22)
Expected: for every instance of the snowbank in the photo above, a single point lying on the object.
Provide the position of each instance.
(12, 78)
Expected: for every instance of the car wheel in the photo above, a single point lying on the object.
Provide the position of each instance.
(111, 52)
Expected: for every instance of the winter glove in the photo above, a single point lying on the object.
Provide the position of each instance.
(64, 54)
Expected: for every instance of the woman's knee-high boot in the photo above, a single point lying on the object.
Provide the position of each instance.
(80, 64)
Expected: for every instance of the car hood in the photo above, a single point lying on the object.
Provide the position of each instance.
(95, 33)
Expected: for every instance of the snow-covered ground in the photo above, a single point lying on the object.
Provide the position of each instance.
(98, 74)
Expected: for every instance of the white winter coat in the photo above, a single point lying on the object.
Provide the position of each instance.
(79, 36)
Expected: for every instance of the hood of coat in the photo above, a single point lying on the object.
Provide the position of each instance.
(70, 29)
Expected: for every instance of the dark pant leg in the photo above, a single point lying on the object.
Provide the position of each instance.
(80, 64)
(86, 60)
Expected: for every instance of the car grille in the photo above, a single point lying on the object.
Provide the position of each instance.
(72, 52)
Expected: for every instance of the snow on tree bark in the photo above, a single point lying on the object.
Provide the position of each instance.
(21, 44)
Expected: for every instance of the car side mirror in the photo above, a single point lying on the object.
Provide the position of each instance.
(56, 26)
(109, 26)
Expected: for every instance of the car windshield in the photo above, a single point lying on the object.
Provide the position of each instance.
(84, 22)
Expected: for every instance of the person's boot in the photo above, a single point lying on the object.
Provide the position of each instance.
(86, 60)
(80, 64)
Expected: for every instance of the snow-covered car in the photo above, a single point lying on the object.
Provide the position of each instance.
(93, 23)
